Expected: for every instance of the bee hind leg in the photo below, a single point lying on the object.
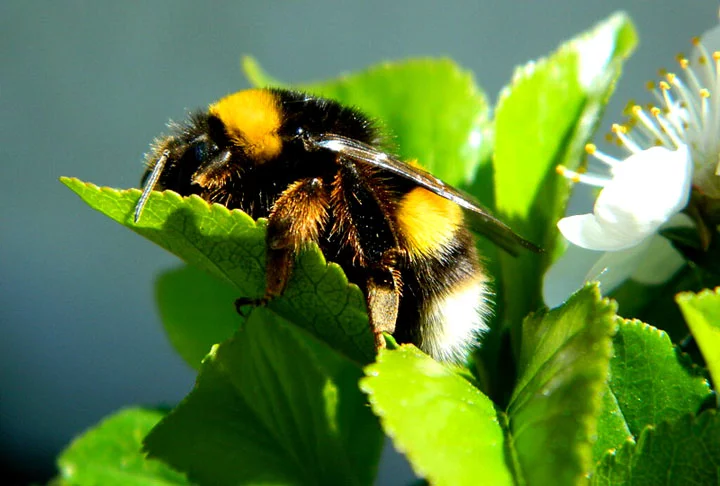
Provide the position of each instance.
(383, 301)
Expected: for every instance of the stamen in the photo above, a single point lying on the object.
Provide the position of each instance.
(606, 159)
(689, 72)
(656, 94)
(716, 102)
(591, 180)
(704, 56)
(682, 60)
(648, 126)
(629, 144)
(704, 104)
(687, 99)
(667, 127)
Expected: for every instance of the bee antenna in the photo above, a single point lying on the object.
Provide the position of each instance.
(150, 184)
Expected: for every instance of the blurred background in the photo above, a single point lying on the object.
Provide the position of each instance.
(85, 86)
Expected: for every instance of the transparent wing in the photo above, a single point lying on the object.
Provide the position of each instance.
(480, 219)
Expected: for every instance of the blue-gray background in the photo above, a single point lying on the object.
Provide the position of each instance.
(85, 86)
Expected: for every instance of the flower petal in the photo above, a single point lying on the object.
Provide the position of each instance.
(585, 231)
(615, 267)
(711, 39)
(646, 190)
(659, 263)
(566, 275)
(662, 260)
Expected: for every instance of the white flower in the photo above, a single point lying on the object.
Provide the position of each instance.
(619, 240)
(670, 150)
(643, 193)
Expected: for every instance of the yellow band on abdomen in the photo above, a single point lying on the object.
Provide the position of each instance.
(427, 221)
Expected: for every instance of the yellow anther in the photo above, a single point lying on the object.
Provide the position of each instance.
(590, 148)
(682, 60)
(565, 172)
(655, 111)
(664, 85)
(695, 41)
(609, 137)
(662, 72)
(671, 78)
(636, 110)
(650, 85)
(704, 93)
(702, 60)
(627, 109)
(617, 128)
(716, 55)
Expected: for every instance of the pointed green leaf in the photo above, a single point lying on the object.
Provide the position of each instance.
(649, 379)
(702, 313)
(446, 427)
(231, 246)
(196, 310)
(562, 369)
(684, 451)
(433, 109)
(543, 119)
(110, 454)
(272, 405)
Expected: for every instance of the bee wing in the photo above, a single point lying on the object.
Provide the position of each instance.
(481, 220)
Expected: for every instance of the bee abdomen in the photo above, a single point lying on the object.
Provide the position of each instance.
(451, 321)
(447, 292)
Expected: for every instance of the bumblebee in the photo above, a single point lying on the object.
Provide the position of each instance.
(317, 171)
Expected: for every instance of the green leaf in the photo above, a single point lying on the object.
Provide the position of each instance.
(562, 369)
(197, 311)
(702, 313)
(231, 246)
(684, 451)
(649, 380)
(110, 453)
(612, 429)
(433, 109)
(655, 304)
(272, 405)
(543, 119)
(257, 76)
(446, 427)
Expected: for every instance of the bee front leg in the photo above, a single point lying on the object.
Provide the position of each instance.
(296, 219)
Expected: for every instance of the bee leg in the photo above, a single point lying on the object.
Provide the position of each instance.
(242, 304)
(367, 224)
(296, 219)
(383, 300)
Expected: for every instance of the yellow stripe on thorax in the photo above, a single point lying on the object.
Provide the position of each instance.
(427, 221)
(252, 119)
